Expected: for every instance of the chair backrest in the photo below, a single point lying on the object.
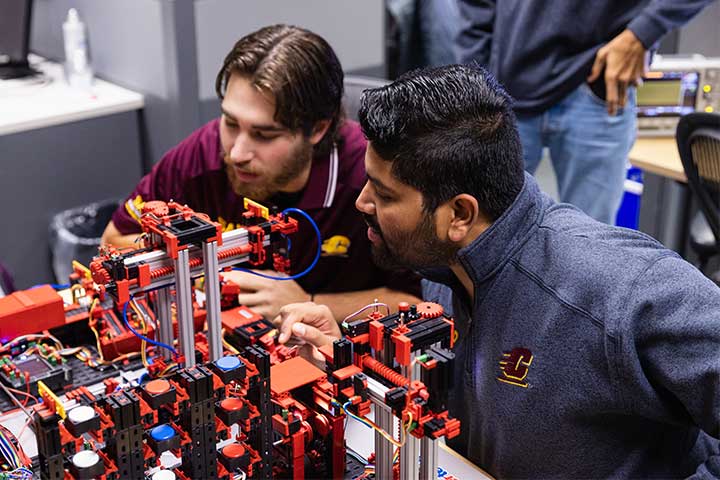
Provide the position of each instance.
(698, 141)
(354, 86)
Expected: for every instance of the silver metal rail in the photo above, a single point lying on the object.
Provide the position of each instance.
(165, 326)
(183, 302)
(212, 300)
(426, 449)
(428, 458)
(159, 259)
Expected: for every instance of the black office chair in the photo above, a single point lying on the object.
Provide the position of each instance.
(698, 140)
(354, 86)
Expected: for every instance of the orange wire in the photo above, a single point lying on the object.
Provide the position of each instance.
(15, 390)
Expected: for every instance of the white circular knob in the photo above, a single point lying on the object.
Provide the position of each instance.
(80, 414)
(163, 475)
(85, 459)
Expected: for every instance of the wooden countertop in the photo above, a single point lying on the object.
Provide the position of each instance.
(659, 156)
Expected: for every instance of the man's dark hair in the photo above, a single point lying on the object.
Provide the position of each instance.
(447, 131)
(300, 70)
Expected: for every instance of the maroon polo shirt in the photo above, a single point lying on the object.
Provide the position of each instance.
(193, 173)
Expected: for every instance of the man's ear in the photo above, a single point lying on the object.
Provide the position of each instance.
(319, 130)
(465, 214)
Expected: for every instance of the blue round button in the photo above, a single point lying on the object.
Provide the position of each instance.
(228, 363)
(162, 432)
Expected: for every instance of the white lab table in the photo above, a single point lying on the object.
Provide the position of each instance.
(60, 148)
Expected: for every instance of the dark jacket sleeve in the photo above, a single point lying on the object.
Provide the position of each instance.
(671, 367)
(476, 28)
(7, 286)
(661, 16)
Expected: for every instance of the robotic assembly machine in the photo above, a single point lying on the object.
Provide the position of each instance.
(218, 397)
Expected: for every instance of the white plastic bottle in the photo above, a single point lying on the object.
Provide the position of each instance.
(77, 62)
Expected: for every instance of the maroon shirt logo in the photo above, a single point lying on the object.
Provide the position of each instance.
(336, 246)
(514, 367)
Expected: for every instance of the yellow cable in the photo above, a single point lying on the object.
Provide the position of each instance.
(94, 303)
(73, 290)
(374, 426)
(167, 369)
(143, 343)
(382, 432)
(403, 434)
(97, 342)
(125, 356)
(407, 428)
(227, 345)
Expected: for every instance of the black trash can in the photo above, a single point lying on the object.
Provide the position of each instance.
(75, 235)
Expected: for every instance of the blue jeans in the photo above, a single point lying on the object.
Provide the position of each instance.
(588, 149)
(439, 25)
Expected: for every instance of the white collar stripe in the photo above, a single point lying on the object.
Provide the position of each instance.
(332, 179)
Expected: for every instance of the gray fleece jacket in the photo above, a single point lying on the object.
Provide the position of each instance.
(589, 351)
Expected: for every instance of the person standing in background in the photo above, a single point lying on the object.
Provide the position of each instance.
(420, 33)
(572, 67)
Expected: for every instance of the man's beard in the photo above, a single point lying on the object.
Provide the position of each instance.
(414, 250)
(293, 166)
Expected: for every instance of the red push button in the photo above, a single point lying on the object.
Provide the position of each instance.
(234, 450)
(157, 387)
(231, 404)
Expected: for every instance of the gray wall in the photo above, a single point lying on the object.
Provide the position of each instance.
(355, 29)
(168, 50)
(702, 34)
(47, 170)
(171, 50)
(135, 44)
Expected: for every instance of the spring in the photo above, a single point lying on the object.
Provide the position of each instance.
(386, 372)
(231, 252)
(162, 271)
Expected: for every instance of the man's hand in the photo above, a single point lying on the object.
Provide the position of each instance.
(308, 323)
(266, 296)
(623, 59)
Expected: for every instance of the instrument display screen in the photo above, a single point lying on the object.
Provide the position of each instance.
(666, 93)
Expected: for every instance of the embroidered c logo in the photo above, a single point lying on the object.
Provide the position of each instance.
(514, 367)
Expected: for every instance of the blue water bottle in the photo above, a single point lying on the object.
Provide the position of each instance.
(628, 215)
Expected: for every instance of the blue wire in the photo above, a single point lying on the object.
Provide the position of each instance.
(293, 277)
(289, 243)
(7, 451)
(352, 415)
(312, 265)
(140, 335)
(56, 286)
